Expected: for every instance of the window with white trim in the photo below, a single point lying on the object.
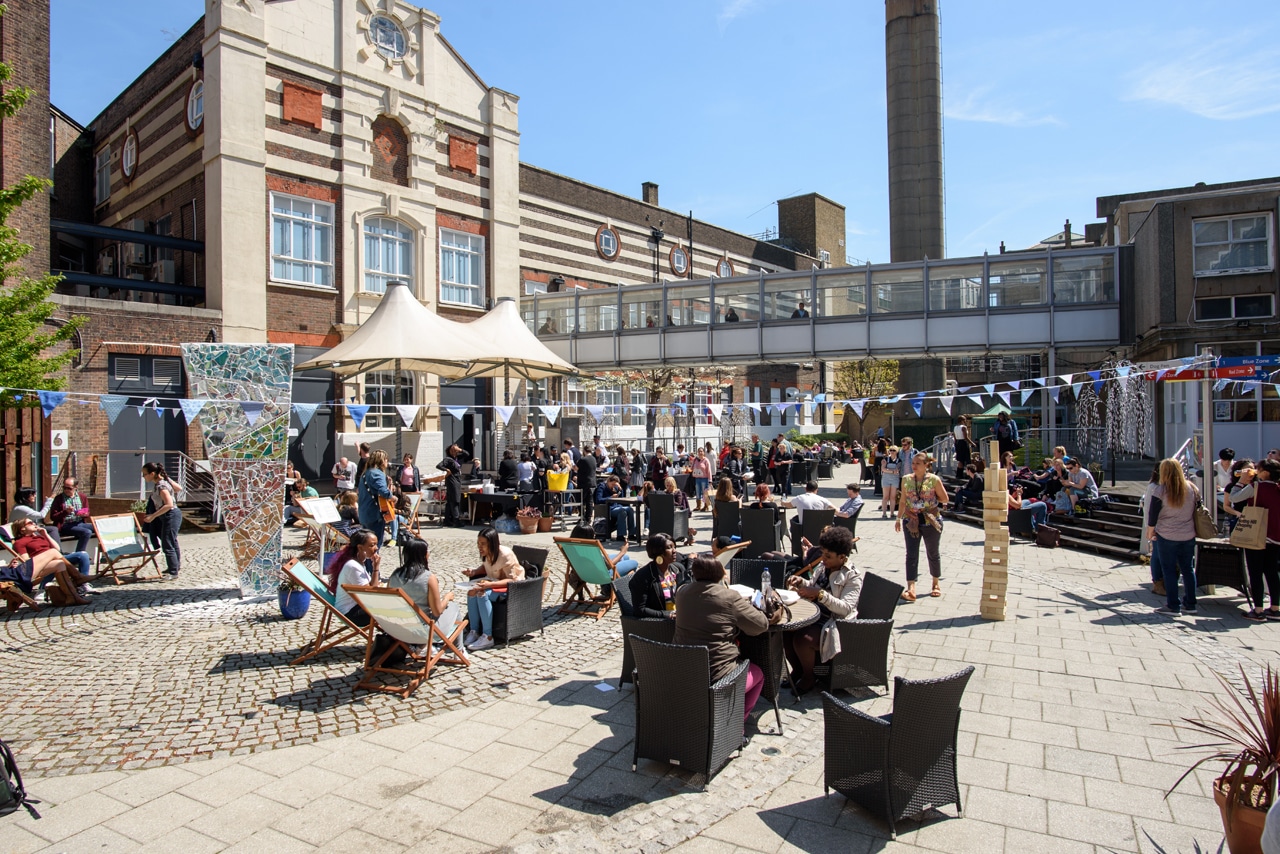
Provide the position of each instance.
(129, 155)
(1231, 245)
(531, 288)
(102, 176)
(638, 397)
(1235, 308)
(461, 268)
(575, 397)
(609, 397)
(388, 253)
(195, 106)
(380, 395)
(701, 400)
(301, 240)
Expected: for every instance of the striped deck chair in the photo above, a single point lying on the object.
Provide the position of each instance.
(335, 628)
(124, 548)
(413, 632)
(588, 559)
(335, 539)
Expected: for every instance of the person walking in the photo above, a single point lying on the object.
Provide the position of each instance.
(922, 497)
(890, 480)
(1262, 490)
(164, 516)
(701, 466)
(963, 443)
(1006, 432)
(1171, 518)
(373, 485)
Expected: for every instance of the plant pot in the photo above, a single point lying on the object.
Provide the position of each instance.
(544, 524)
(1244, 833)
(294, 603)
(528, 524)
(142, 520)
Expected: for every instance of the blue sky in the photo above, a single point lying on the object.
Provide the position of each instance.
(731, 104)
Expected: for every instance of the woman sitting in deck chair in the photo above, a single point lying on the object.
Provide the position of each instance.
(37, 561)
(356, 564)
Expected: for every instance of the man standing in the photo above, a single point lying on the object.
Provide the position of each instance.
(574, 453)
(344, 475)
(587, 485)
(364, 460)
(800, 311)
(782, 474)
(757, 456)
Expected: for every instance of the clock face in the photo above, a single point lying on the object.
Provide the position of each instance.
(387, 37)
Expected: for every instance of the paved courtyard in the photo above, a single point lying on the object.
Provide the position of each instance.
(166, 717)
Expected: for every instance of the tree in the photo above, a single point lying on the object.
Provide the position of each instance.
(25, 308)
(656, 382)
(866, 379)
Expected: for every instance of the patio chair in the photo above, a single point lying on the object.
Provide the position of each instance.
(903, 763)
(334, 628)
(412, 632)
(123, 548)
(863, 660)
(681, 717)
(661, 629)
(728, 521)
(1020, 523)
(335, 539)
(731, 553)
(761, 528)
(745, 570)
(815, 522)
(532, 555)
(415, 502)
(14, 597)
(664, 518)
(520, 613)
(850, 522)
(589, 560)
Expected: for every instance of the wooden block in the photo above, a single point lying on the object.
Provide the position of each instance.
(994, 588)
(1002, 480)
(994, 515)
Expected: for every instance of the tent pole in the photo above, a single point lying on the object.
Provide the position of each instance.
(399, 420)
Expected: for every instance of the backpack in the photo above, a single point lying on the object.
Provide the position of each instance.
(12, 794)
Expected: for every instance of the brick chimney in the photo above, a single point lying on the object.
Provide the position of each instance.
(649, 193)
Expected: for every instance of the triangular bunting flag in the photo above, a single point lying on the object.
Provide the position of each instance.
(457, 412)
(113, 405)
(1220, 385)
(504, 413)
(1026, 395)
(141, 409)
(946, 401)
(990, 387)
(252, 410)
(1075, 389)
(754, 407)
(160, 413)
(780, 408)
(551, 412)
(683, 407)
(918, 406)
(1066, 378)
(858, 406)
(1054, 391)
(408, 412)
(1040, 381)
(1015, 385)
(51, 400)
(976, 398)
(1004, 395)
(596, 411)
(716, 410)
(191, 408)
(1123, 370)
(1161, 373)
(357, 413)
(1097, 381)
(304, 411)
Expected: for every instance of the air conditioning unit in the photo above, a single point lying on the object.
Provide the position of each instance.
(162, 271)
(135, 255)
(138, 276)
(107, 264)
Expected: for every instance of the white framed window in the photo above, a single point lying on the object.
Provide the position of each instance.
(678, 259)
(387, 37)
(609, 397)
(388, 253)
(380, 395)
(195, 106)
(102, 176)
(531, 288)
(301, 240)
(1230, 245)
(461, 268)
(724, 269)
(1235, 308)
(608, 243)
(575, 397)
(638, 397)
(129, 155)
(701, 400)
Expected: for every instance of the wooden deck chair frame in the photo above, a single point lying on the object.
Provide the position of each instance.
(334, 540)
(335, 628)
(735, 550)
(14, 597)
(130, 557)
(415, 501)
(407, 626)
(580, 555)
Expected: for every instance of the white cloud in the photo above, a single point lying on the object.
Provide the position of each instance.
(1214, 82)
(731, 9)
(976, 106)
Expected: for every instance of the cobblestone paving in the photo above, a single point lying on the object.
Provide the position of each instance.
(157, 673)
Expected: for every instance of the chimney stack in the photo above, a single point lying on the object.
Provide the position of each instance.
(913, 73)
(649, 193)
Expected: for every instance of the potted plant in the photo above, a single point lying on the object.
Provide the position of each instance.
(139, 510)
(294, 599)
(545, 521)
(1246, 739)
(528, 519)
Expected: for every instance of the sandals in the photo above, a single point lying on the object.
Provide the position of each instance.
(936, 591)
(908, 596)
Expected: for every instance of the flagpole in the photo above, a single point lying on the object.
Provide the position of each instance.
(395, 396)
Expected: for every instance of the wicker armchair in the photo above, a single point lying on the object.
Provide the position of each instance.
(761, 527)
(815, 522)
(661, 629)
(863, 660)
(745, 570)
(533, 555)
(681, 717)
(665, 518)
(850, 522)
(521, 612)
(899, 765)
(728, 522)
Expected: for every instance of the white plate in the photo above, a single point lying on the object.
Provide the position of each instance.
(788, 597)
(464, 585)
(742, 590)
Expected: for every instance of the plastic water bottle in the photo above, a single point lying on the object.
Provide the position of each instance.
(765, 582)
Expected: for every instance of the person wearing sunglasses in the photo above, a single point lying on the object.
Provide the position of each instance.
(70, 513)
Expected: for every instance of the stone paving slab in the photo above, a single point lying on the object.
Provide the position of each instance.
(1063, 743)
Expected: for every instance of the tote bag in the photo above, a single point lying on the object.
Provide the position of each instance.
(1250, 531)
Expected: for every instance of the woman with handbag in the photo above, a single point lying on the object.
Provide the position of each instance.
(922, 497)
(373, 486)
(1260, 487)
(835, 587)
(1171, 519)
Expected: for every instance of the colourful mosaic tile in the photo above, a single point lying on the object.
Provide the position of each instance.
(246, 435)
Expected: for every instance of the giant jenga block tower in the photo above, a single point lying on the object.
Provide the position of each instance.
(995, 559)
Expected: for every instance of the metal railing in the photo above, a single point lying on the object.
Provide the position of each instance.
(97, 476)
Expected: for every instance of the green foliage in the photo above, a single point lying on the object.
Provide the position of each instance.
(25, 308)
(866, 379)
(808, 440)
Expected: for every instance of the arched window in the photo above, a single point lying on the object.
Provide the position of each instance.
(388, 253)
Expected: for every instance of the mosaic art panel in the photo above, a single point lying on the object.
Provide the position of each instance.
(246, 436)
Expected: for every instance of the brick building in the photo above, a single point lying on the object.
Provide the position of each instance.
(25, 137)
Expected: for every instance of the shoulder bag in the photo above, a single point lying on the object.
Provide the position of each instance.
(1205, 527)
(1048, 537)
(1250, 531)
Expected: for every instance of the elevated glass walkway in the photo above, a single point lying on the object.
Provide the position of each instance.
(1006, 303)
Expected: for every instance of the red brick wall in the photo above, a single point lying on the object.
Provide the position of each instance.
(24, 45)
(462, 154)
(390, 152)
(301, 104)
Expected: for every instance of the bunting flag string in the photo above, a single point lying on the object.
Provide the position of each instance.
(357, 413)
(1026, 395)
(252, 410)
(976, 398)
(596, 412)
(113, 405)
(946, 401)
(408, 413)
(1054, 391)
(716, 410)
(304, 411)
(551, 412)
(857, 406)
(458, 412)
(191, 408)
(1004, 395)
(51, 400)
(504, 413)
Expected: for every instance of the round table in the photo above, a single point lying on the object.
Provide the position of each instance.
(803, 614)
(765, 650)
